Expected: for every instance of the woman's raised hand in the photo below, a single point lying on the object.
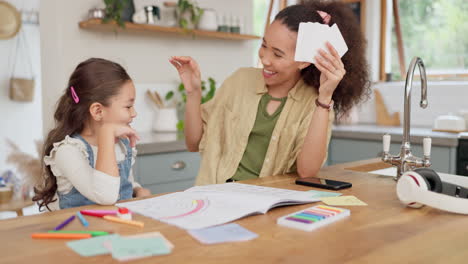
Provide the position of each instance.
(189, 72)
(332, 71)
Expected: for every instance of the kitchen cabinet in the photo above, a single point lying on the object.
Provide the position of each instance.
(341, 150)
(168, 171)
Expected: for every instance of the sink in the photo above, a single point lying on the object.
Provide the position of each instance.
(392, 171)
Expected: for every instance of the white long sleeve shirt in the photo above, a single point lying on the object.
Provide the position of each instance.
(69, 163)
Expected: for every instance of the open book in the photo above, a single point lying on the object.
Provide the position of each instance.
(210, 205)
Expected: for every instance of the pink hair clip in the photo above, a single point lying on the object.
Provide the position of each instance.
(325, 16)
(74, 95)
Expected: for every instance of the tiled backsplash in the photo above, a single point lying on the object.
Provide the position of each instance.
(443, 97)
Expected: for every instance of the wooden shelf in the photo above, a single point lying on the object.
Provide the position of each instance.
(96, 24)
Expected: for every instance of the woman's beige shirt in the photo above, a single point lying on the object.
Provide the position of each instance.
(230, 116)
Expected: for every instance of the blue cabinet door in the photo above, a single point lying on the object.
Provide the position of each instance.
(167, 172)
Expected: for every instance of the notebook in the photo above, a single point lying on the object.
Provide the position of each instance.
(210, 205)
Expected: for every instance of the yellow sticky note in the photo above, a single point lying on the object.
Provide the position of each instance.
(343, 200)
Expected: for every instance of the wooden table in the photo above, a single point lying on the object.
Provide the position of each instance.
(382, 232)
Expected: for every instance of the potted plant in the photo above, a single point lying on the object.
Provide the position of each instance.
(188, 13)
(115, 11)
(207, 94)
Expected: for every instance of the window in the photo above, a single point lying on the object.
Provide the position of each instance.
(434, 30)
(260, 13)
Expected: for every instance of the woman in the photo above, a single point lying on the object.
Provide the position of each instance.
(278, 119)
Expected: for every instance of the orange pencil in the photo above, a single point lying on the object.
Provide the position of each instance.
(123, 221)
(60, 236)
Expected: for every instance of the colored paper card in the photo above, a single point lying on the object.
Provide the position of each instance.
(131, 248)
(313, 36)
(320, 194)
(153, 234)
(92, 246)
(223, 233)
(343, 200)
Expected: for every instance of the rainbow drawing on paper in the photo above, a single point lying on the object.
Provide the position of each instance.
(198, 204)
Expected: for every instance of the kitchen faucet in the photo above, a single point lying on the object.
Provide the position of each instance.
(406, 161)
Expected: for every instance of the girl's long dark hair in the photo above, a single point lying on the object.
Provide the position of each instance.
(94, 80)
(354, 87)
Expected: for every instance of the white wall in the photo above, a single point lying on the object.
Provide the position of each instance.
(443, 97)
(145, 56)
(21, 121)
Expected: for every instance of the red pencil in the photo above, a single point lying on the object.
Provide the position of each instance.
(98, 213)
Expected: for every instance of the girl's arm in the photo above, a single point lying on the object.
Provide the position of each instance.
(138, 191)
(71, 163)
(141, 192)
(106, 161)
(189, 73)
(314, 149)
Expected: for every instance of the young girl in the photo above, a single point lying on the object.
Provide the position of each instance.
(88, 156)
(278, 119)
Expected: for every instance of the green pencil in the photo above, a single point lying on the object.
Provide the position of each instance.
(93, 233)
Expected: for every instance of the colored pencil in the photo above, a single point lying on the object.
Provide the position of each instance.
(64, 223)
(109, 212)
(82, 219)
(92, 233)
(59, 236)
(123, 221)
(98, 213)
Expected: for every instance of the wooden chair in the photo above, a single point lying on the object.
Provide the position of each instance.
(16, 206)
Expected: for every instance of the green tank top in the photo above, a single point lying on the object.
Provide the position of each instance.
(259, 139)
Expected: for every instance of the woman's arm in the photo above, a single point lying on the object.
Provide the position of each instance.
(314, 149)
(193, 127)
(189, 73)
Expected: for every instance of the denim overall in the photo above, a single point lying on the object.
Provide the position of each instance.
(74, 198)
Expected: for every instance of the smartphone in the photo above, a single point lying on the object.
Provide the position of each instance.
(323, 183)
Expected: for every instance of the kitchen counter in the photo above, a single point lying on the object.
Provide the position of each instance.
(463, 135)
(374, 132)
(154, 143)
(383, 232)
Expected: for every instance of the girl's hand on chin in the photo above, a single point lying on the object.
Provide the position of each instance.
(125, 131)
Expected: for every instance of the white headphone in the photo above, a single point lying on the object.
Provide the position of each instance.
(424, 186)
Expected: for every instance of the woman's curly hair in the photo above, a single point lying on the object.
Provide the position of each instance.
(355, 85)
